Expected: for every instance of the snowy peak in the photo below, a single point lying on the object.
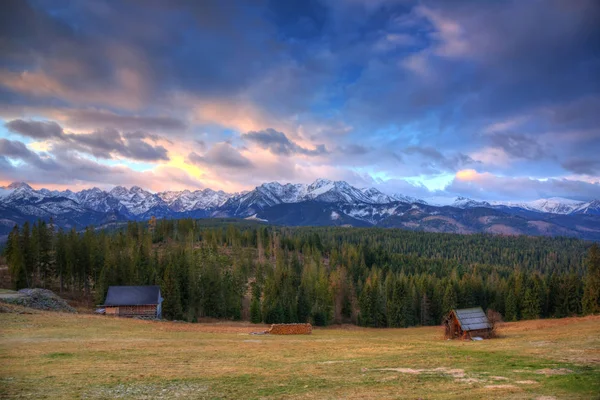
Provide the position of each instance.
(18, 185)
(591, 207)
(464, 202)
(376, 196)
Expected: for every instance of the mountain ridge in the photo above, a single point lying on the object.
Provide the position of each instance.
(328, 203)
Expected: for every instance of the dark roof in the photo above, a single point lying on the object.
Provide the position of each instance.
(471, 319)
(132, 295)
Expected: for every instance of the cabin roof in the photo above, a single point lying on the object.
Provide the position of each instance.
(472, 319)
(132, 295)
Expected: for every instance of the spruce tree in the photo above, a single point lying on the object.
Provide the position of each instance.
(171, 306)
(591, 291)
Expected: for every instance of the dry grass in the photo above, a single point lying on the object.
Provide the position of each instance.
(57, 356)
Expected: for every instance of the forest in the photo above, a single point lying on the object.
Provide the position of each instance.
(372, 277)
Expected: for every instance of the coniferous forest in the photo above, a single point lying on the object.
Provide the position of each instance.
(368, 276)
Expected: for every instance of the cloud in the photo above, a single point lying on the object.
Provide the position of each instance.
(100, 143)
(77, 118)
(35, 129)
(493, 187)
(518, 145)
(13, 149)
(386, 88)
(583, 166)
(221, 155)
(437, 160)
(278, 143)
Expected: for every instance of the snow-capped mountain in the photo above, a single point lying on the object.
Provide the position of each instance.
(591, 208)
(196, 200)
(323, 202)
(464, 202)
(553, 205)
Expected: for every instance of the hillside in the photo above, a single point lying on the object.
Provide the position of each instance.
(368, 276)
(94, 357)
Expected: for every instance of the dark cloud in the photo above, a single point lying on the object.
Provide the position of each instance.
(437, 160)
(354, 149)
(278, 143)
(86, 118)
(35, 129)
(104, 143)
(16, 150)
(100, 143)
(518, 145)
(583, 166)
(221, 155)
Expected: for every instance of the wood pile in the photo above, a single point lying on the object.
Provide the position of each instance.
(290, 329)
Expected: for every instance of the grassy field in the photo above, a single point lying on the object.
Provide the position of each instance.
(56, 356)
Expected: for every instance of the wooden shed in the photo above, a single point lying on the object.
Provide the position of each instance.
(134, 301)
(467, 323)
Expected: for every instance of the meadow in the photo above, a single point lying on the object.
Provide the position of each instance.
(64, 356)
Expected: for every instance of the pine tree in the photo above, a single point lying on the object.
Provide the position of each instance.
(303, 305)
(591, 291)
(511, 313)
(171, 306)
(16, 259)
(425, 317)
(450, 300)
(532, 299)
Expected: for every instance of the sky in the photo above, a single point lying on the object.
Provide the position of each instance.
(494, 100)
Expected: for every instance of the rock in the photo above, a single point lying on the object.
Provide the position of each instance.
(40, 299)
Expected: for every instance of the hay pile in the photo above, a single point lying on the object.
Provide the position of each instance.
(290, 329)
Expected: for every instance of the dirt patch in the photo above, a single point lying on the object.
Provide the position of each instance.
(553, 371)
(500, 387)
(503, 230)
(527, 382)
(468, 380)
(335, 362)
(403, 370)
(499, 378)
(180, 390)
(453, 372)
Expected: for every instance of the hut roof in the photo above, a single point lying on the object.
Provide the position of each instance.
(471, 319)
(132, 295)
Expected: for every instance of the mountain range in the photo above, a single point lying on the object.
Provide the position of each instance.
(322, 203)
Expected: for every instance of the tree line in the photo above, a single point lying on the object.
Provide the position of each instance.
(368, 276)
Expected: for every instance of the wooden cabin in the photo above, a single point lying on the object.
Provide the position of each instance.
(467, 323)
(133, 301)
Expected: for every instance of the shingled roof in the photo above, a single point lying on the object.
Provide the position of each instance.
(471, 319)
(132, 295)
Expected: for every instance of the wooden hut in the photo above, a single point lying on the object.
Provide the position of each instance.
(467, 323)
(133, 301)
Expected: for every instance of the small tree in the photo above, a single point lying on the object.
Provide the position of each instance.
(495, 319)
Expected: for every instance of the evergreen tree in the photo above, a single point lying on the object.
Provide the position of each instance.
(512, 310)
(591, 291)
(303, 305)
(171, 306)
(450, 299)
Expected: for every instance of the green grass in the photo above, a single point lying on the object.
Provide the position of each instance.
(56, 356)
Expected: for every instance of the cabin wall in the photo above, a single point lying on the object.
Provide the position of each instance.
(483, 333)
(133, 311)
